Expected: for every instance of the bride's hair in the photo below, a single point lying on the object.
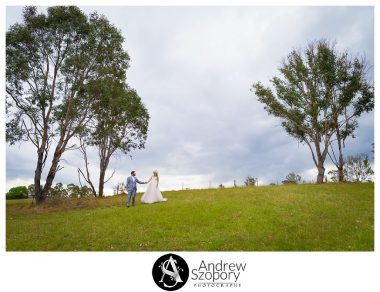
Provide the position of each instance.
(155, 172)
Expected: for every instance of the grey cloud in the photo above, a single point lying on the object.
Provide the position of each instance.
(193, 68)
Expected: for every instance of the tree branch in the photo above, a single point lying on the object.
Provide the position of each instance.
(312, 152)
(110, 177)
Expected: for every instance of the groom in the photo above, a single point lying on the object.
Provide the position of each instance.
(132, 188)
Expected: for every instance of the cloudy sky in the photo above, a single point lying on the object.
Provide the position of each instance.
(193, 68)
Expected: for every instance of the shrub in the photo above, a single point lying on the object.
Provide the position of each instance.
(20, 192)
(292, 178)
(250, 181)
(358, 168)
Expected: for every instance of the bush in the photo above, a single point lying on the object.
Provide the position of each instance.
(20, 192)
(292, 178)
(358, 168)
(250, 181)
(57, 191)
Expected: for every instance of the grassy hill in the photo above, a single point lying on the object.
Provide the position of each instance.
(330, 217)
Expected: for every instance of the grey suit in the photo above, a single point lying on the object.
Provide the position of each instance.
(132, 188)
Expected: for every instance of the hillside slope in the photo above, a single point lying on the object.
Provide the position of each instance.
(330, 217)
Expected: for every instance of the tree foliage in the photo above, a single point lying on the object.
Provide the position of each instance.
(358, 168)
(250, 181)
(31, 190)
(20, 192)
(313, 94)
(352, 95)
(58, 191)
(292, 178)
(334, 175)
(71, 190)
(119, 123)
(53, 62)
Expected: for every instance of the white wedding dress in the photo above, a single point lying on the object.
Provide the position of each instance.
(152, 193)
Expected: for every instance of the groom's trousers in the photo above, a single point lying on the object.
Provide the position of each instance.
(131, 195)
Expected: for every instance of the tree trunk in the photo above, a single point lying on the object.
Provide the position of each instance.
(105, 155)
(340, 174)
(320, 159)
(341, 160)
(340, 167)
(103, 168)
(52, 170)
(37, 178)
(37, 183)
(92, 189)
(101, 180)
(321, 173)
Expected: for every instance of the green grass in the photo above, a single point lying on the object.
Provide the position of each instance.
(330, 217)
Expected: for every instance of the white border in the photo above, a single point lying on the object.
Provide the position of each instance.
(131, 271)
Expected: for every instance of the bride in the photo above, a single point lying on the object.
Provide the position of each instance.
(152, 193)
